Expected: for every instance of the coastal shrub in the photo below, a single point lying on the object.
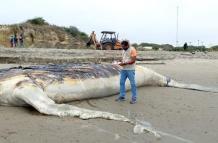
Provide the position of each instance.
(214, 48)
(190, 48)
(84, 36)
(37, 21)
(135, 45)
(74, 31)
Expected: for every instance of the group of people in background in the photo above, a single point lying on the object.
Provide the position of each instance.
(17, 41)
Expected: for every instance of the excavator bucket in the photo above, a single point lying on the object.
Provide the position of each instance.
(118, 45)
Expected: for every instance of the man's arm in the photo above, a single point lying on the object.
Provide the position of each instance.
(133, 58)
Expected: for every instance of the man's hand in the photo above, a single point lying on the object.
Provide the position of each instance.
(128, 63)
(122, 64)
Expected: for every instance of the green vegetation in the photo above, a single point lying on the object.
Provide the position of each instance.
(168, 47)
(37, 21)
(190, 48)
(84, 36)
(214, 48)
(135, 45)
(73, 31)
(154, 46)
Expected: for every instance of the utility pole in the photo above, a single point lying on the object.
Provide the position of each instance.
(177, 26)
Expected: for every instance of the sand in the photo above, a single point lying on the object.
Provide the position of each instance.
(187, 115)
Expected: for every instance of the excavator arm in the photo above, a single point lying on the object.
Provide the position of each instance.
(93, 41)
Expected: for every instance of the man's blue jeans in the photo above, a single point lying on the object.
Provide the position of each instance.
(130, 74)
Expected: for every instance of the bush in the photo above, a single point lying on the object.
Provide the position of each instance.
(190, 48)
(37, 21)
(154, 46)
(84, 36)
(214, 48)
(73, 31)
(135, 45)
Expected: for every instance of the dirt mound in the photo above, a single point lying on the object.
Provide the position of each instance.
(39, 36)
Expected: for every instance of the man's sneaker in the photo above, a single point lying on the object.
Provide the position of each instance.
(132, 102)
(120, 99)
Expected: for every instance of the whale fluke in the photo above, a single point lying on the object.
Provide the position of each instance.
(197, 87)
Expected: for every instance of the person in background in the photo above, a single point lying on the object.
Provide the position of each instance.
(12, 41)
(15, 40)
(185, 46)
(21, 40)
(128, 71)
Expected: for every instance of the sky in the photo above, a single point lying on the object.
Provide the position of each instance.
(152, 21)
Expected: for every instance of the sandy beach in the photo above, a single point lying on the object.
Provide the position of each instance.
(181, 115)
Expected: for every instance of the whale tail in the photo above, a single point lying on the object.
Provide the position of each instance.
(172, 83)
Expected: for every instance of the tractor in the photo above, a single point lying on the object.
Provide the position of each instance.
(109, 41)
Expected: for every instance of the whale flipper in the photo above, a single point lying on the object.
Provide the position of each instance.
(36, 97)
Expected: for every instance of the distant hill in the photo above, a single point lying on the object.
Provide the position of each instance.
(144, 46)
(214, 48)
(40, 34)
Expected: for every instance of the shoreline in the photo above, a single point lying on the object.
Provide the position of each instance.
(45, 56)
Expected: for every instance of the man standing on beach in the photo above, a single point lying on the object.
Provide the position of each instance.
(128, 63)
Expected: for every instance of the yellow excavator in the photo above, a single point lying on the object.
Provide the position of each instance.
(109, 41)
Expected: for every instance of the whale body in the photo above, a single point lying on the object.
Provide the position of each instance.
(48, 87)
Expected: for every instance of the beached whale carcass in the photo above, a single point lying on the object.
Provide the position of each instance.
(46, 87)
